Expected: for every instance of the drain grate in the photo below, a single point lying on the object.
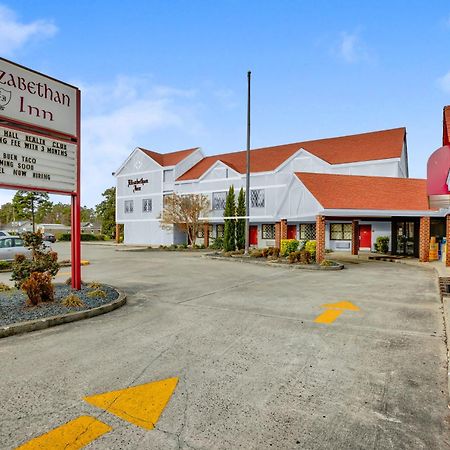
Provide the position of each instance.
(444, 286)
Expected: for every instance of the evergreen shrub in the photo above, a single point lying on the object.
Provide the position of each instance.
(382, 244)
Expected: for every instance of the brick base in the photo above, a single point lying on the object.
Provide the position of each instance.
(320, 239)
(424, 239)
(283, 229)
(355, 237)
(206, 234)
(278, 235)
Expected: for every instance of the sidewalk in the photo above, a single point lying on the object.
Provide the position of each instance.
(439, 269)
(363, 257)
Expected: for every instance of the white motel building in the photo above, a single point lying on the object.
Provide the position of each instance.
(342, 191)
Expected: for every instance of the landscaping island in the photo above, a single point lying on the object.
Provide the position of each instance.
(18, 316)
(274, 261)
(36, 302)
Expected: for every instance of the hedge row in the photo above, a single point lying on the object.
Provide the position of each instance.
(84, 237)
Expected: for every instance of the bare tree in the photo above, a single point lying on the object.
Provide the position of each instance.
(185, 211)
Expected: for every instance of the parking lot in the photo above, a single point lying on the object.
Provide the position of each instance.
(255, 370)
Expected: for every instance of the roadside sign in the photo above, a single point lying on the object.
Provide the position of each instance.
(32, 98)
(31, 160)
(40, 140)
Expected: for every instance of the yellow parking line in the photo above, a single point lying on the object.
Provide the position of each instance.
(71, 436)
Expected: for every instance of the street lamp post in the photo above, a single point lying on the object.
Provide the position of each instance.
(247, 178)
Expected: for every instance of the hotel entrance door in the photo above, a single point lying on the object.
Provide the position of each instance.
(405, 238)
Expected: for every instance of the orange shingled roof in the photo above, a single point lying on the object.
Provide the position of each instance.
(338, 150)
(446, 123)
(364, 192)
(168, 159)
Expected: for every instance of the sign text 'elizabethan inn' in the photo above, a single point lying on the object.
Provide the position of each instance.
(137, 184)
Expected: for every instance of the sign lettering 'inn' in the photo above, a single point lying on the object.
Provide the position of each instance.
(32, 160)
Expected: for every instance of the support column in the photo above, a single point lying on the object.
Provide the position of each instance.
(424, 239)
(206, 234)
(117, 233)
(355, 237)
(76, 242)
(447, 234)
(283, 229)
(320, 239)
(278, 235)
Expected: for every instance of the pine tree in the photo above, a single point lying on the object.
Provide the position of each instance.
(240, 224)
(229, 236)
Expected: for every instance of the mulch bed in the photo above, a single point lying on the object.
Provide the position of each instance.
(14, 308)
(274, 262)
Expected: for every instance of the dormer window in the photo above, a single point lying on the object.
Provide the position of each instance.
(218, 200)
(257, 198)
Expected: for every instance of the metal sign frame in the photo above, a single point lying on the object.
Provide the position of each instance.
(23, 126)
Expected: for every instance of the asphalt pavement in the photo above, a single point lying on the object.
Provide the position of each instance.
(246, 362)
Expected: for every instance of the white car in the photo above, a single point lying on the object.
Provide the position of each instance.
(10, 246)
(4, 233)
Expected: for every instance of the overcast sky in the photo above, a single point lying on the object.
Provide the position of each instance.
(169, 75)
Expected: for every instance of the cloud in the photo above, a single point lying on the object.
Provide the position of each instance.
(123, 114)
(444, 82)
(15, 34)
(227, 98)
(351, 48)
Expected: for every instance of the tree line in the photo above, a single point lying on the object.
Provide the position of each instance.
(37, 208)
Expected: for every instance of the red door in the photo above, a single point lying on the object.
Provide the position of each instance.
(365, 236)
(253, 234)
(292, 231)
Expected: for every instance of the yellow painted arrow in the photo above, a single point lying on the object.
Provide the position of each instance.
(334, 310)
(141, 405)
(341, 305)
(71, 436)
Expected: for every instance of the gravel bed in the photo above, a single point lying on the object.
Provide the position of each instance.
(14, 308)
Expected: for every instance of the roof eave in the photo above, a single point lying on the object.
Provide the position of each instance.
(384, 212)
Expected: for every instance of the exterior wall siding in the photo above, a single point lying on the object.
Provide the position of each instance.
(285, 197)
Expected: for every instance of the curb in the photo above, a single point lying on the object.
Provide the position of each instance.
(340, 266)
(447, 328)
(41, 324)
(84, 262)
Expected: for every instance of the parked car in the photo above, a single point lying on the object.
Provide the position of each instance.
(49, 237)
(4, 233)
(11, 246)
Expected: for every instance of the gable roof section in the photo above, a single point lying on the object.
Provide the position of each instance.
(375, 145)
(168, 159)
(365, 192)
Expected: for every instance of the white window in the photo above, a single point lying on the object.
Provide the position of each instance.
(201, 231)
(307, 231)
(147, 205)
(218, 200)
(129, 207)
(341, 231)
(220, 230)
(257, 198)
(268, 231)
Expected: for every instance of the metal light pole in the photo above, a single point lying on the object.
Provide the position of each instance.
(247, 178)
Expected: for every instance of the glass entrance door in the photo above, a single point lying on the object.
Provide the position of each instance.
(405, 238)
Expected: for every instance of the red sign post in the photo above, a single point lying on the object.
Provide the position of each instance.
(40, 141)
